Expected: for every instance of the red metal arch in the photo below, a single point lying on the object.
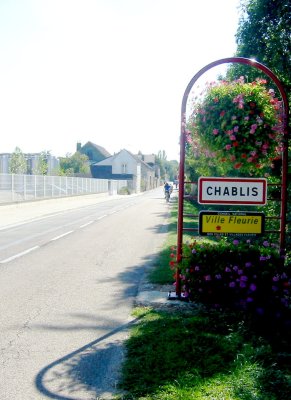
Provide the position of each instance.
(283, 213)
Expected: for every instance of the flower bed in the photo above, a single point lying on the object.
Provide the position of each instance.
(236, 275)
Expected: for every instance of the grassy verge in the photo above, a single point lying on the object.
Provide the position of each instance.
(193, 353)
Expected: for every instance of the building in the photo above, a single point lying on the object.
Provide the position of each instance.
(94, 152)
(126, 166)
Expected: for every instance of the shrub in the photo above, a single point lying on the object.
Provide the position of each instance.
(240, 275)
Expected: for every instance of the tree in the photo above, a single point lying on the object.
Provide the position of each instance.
(168, 169)
(18, 164)
(77, 164)
(42, 164)
(264, 34)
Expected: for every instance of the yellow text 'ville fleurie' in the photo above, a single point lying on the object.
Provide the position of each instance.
(235, 224)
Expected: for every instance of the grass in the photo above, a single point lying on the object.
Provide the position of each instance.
(193, 353)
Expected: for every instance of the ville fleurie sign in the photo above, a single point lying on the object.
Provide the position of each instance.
(235, 191)
(231, 223)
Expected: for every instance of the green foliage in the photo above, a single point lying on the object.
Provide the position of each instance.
(77, 164)
(42, 164)
(196, 355)
(18, 164)
(168, 169)
(264, 34)
(235, 127)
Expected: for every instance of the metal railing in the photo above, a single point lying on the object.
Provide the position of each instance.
(15, 188)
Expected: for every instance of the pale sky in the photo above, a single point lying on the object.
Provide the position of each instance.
(112, 72)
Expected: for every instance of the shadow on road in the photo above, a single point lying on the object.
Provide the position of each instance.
(67, 376)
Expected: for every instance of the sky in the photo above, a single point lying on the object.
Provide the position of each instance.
(112, 72)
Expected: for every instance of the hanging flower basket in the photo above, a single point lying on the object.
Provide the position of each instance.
(238, 126)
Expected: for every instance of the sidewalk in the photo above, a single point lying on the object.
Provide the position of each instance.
(19, 213)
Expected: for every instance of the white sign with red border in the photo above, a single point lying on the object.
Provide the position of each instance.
(236, 191)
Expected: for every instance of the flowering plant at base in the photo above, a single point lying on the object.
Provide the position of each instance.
(237, 126)
(239, 275)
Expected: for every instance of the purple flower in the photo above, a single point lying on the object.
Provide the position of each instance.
(260, 311)
(218, 276)
(266, 243)
(197, 268)
(194, 251)
(240, 271)
(232, 284)
(250, 299)
(276, 278)
(248, 264)
(235, 242)
(235, 268)
(227, 269)
(244, 278)
(242, 285)
(208, 277)
(263, 258)
(253, 287)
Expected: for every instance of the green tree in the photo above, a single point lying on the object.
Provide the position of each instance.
(264, 34)
(18, 164)
(42, 164)
(168, 169)
(76, 164)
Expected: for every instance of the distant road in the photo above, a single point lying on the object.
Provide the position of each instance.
(68, 280)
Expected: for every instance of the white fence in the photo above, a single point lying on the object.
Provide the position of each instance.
(14, 188)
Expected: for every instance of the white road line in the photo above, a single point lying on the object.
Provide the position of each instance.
(19, 255)
(61, 236)
(102, 216)
(88, 223)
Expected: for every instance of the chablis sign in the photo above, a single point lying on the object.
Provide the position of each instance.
(235, 191)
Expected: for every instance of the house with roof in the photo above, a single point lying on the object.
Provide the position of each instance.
(126, 166)
(94, 152)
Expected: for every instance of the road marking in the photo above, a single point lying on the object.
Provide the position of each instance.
(102, 216)
(61, 236)
(88, 223)
(19, 255)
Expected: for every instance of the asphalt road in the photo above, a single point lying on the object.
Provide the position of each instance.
(68, 280)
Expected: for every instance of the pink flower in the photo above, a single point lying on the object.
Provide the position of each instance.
(236, 128)
(228, 147)
(215, 131)
(232, 137)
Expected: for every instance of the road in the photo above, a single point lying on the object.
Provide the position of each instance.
(68, 281)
